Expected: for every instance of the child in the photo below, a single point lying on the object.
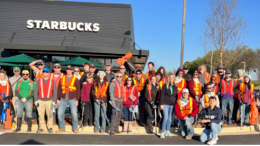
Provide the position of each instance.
(86, 100)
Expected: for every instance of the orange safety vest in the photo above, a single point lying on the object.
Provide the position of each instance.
(5, 89)
(148, 76)
(81, 73)
(207, 77)
(242, 89)
(237, 85)
(57, 80)
(45, 90)
(164, 80)
(129, 94)
(68, 86)
(206, 100)
(20, 82)
(134, 75)
(225, 87)
(197, 88)
(187, 109)
(39, 74)
(101, 92)
(180, 85)
(119, 90)
(215, 89)
(139, 86)
(160, 84)
(150, 93)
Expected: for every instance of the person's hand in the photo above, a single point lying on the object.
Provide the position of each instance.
(53, 103)
(116, 109)
(185, 118)
(76, 103)
(203, 121)
(103, 104)
(84, 82)
(36, 103)
(161, 107)
(153, 106)
(241, 102)
(23, 99)
(58, 102)
(98, 102)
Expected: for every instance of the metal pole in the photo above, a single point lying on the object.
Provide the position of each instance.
(244, 66)
(211, 63)
(183, 32)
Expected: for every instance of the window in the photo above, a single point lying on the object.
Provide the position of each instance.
(56, 59)
(100, 61)
(114, 63)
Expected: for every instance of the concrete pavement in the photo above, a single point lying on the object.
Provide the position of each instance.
(69, 139)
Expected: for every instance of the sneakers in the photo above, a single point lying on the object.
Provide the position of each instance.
(50, 130)
(39, 131)
(124, 131)
(85, 124)
(112, 133)
(102, 131)
(76, 131)
(60, 131)
(129, 131)
(188, 137)
(168, 133)
(162, 136)
(212, 142)
(96, 131)
(118, 132)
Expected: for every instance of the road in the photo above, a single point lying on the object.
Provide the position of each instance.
(73, 139)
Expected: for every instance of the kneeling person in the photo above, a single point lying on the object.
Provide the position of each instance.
(211, 117)
(186, 109)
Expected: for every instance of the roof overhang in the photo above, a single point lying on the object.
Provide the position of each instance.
(139, 56)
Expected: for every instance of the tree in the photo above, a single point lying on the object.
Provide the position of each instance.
(225, 28)
(257, 60)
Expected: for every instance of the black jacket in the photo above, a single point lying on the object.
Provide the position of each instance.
(215, 115)
(166, 96)
(154, 93)
(187, 77)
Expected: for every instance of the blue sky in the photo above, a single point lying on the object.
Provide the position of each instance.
(158, 27)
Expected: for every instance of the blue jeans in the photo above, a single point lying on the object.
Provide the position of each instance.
(73, 110)
(98, 110)
(167, 117)
(127, 114)
(227, 103)
(210, 133)
(186, 127)
(20, 106)
(173, 118)
(244, 112)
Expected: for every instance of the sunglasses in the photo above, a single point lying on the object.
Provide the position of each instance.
(209, 88)
(45, 72)
(40, 64)
(195, 74)
(119, 76)
(213, 79)
(76, 71)
(56, 67)
(122, 68)
(138, 73)
(25, 74)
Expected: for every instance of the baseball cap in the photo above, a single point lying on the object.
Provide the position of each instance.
(195, 71)
(185, 90)
(16, 69)
(240, 70)
(185, 67)
(248, 76)
(138, 65)
(69, 67)
(92, 66)
(57, 64)
(25, 71)
(46, 69)
(228, 72)
(220, 67)
(108, 63)
(101, 72)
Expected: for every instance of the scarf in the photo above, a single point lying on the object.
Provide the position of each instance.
(184, 101)
(210, 93)
(178, 79)
(78, 76)
(171, 89)
(196, 80)
(3, 82)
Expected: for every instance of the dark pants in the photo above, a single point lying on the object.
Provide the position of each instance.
(88, 114)
(142, 110)
(116, 118)
(149, 114)
(235, 109)
(127, 114)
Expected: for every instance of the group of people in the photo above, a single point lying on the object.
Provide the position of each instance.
(111, 96)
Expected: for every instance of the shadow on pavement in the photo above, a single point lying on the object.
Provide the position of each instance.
(33, 142)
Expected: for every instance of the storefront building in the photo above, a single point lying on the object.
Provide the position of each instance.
(56, 31)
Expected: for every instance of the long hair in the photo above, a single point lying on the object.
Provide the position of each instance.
(203, 66)
(97, 80)
(159, 70)
(168, 81)
(150, 83)
(132, 84)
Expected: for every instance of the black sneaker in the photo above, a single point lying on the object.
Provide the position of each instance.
(50, 130)
(112, 133)
(90, 124)
(39, 131)
(85, 124)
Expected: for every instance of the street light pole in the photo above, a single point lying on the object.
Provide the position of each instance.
(244, 66)
(183, 32)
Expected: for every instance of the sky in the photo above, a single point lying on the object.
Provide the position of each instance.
(158, 27)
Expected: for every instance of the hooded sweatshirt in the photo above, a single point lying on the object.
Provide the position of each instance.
(247, 95)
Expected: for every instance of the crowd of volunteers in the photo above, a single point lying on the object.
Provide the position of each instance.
(153, 98)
